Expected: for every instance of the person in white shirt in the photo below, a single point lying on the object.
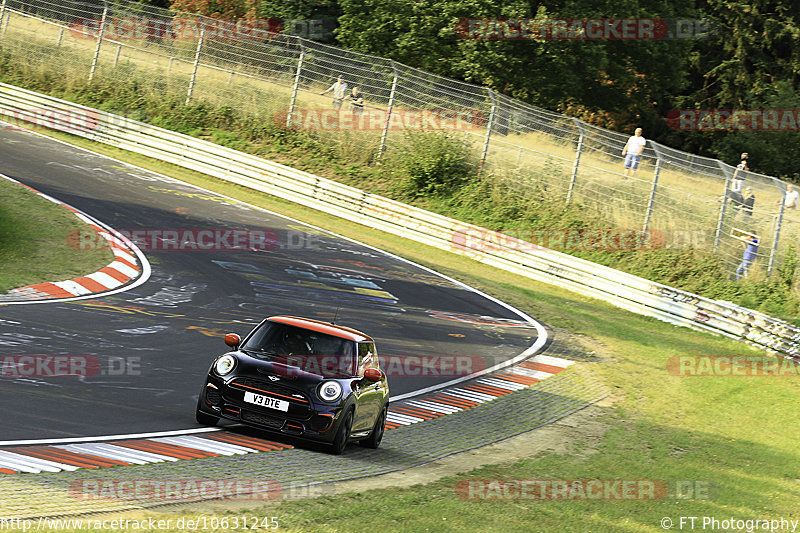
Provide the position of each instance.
(790, 198)
(633, 152)
(339, 89)
(738, 175)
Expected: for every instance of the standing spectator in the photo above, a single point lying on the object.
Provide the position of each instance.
(356, 102)
(738, 175)
(339, 89)
(633, 152)
(790, 197)
(750, 251)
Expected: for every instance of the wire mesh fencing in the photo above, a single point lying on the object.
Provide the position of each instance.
(688, 201)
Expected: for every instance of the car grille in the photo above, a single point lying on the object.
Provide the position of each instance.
(299, 404)
(262, 419)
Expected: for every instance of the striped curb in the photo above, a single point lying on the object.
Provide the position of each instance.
(76, 456)
(125, 267)
(476, 392)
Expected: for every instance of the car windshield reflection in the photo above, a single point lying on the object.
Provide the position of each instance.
(311, 351)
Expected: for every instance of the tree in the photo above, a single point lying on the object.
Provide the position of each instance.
(219, 9)
(620, 82)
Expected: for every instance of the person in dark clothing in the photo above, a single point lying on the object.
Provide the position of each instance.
(748, 201)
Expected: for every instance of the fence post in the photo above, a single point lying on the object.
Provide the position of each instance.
(718, 232)
(99, 40)
(116, 56)
(652, 199)
(296, 84)
(577, 161)
(3, 13)
(60, 37)
(196, 60)
(777, 236)
(489, 127)
(385, 133)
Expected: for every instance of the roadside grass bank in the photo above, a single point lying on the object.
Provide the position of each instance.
(722, 446)
(436, 171)
(31, 249)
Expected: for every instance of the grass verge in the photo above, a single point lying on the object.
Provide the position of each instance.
(29, 249)
(725, 447)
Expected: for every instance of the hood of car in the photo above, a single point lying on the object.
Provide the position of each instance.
(292, 368)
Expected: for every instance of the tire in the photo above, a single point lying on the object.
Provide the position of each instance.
(343, 434)
(374, 439)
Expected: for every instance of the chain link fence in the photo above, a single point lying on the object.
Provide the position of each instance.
(272, 76)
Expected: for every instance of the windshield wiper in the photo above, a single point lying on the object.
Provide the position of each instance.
(262, 352)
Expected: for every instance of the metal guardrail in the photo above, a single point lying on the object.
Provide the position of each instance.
(514, 255)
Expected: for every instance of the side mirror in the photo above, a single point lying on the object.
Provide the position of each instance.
(373, 374)
(233, 340)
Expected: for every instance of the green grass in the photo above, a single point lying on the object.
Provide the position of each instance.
(732, 436)
(37, 240)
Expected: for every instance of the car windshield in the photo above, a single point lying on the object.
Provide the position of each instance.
(311, 351)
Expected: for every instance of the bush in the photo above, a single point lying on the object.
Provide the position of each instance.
(435, 164)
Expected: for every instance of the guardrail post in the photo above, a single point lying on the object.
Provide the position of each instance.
(196, 60)
(385, 132)
(718, 232)
(577, 161)
(777, 236)
(489, 127)
(296, 84)
(652, 199)
(99, 40)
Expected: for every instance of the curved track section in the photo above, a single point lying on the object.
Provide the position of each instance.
(139, 355)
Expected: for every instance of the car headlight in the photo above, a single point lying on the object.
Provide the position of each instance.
(330, 391)
(224, 365)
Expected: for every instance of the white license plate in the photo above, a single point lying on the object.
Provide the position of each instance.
(266, 401)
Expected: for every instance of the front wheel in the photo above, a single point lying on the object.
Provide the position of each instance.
(343, 435)
(374, 440)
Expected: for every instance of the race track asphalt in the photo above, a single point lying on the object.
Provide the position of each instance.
(150, 347)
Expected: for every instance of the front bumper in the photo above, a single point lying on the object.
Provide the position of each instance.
(306, 417)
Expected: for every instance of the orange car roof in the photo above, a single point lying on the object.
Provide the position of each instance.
(323, 327)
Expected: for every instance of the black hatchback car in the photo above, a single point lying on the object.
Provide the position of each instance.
(301, 377)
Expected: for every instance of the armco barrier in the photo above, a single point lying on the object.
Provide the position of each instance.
(618, 288)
